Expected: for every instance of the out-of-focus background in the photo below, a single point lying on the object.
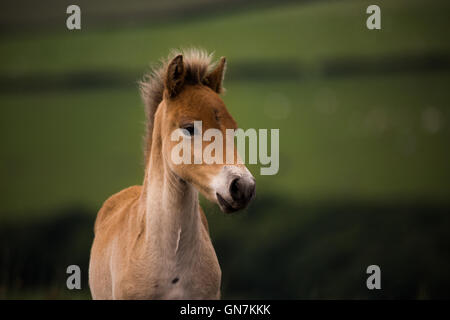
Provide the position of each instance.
(364, 121)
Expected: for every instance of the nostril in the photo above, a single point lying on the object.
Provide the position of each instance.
(234, 189)
(242, 191)
(252, 190)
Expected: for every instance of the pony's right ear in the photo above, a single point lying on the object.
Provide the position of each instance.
(215, 78)
(175, 75)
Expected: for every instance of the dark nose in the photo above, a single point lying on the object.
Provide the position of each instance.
(242, 191)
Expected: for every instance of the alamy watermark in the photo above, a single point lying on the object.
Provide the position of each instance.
(216, 153)
(74, 279)
(374, 20)
(73, 22)
(374, 280)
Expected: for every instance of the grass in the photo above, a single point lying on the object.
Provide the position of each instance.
(363, 138)
(307, 33)
(360, 138)
(364, 172)
(69, 148)
(355, 137)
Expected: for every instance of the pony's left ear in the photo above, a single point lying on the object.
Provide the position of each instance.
(215, 78)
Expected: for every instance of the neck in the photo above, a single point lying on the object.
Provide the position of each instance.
(171, 209)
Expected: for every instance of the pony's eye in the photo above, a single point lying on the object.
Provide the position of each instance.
(189, 128)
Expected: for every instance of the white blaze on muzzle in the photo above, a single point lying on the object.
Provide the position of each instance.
(234, 187)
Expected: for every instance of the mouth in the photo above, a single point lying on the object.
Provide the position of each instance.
(224, 205)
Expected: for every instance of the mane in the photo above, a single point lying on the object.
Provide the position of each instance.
(197, 63)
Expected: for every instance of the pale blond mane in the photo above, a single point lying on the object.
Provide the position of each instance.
(197, 63)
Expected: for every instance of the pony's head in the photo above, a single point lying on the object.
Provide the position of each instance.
(184, 90)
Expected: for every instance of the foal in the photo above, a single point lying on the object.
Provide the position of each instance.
(152, 241)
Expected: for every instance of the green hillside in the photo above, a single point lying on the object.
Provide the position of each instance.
(364, 129)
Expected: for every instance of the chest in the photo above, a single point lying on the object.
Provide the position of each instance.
(196, 275)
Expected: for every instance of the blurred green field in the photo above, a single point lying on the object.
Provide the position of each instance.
(362, 152)
(309, 32)
(363, 138)
(356, 136)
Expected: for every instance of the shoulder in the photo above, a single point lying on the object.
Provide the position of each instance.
(115, 202)
(204, 220)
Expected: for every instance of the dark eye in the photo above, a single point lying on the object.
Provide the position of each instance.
(189, 128)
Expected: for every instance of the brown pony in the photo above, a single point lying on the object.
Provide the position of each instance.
(152, 241)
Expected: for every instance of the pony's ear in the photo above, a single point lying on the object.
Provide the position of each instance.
(175, 75)
(215, 78)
